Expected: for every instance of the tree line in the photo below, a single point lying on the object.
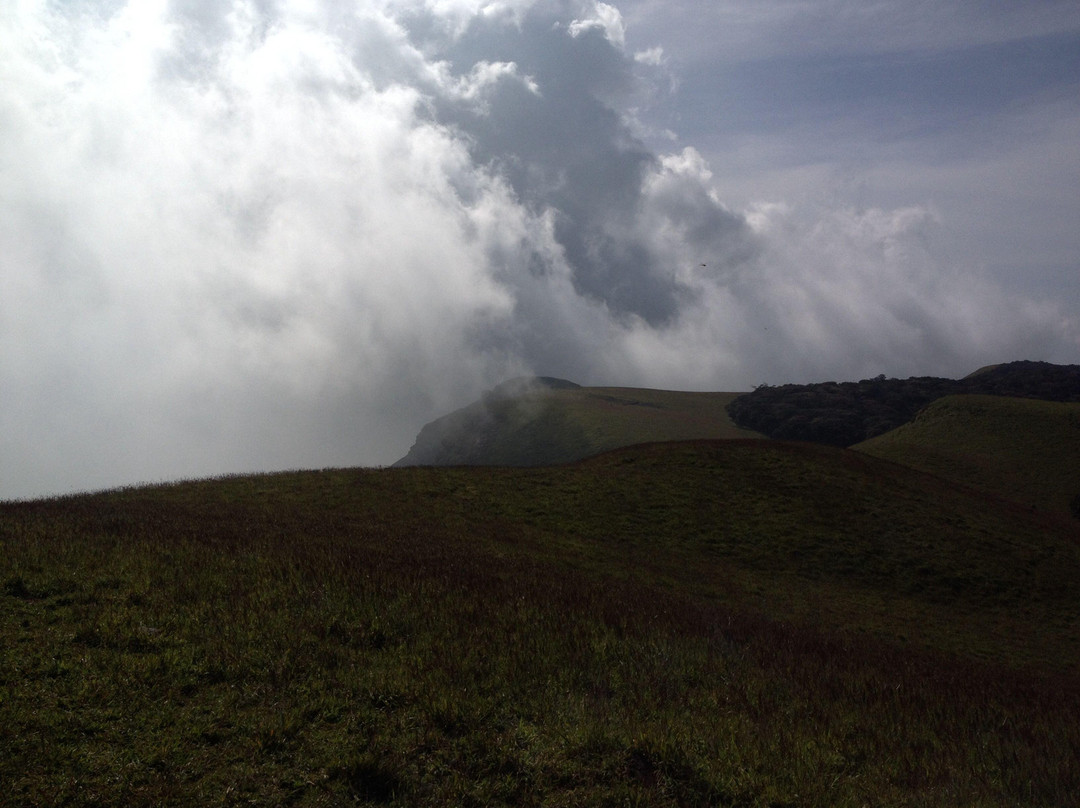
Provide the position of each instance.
(846, 413)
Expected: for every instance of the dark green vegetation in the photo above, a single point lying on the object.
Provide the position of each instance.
(1025, 450)
(535, 422)
(733, 623)
(842, 414)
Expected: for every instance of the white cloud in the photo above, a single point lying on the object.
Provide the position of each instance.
(844, 295)
(255, 236)
(602, 17)
(869, 290)
(280, 229)
(480, 81)
(653, 56)
(454, 16)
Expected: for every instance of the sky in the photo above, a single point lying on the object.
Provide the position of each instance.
(245, 235)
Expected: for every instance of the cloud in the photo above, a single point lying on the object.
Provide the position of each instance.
(604, 18)
(727, 31)
(259, 235)
(565, 149)
(650, 56)
(230, 257)
(868, 289)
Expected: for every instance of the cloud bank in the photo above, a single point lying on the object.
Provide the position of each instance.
(259, 235)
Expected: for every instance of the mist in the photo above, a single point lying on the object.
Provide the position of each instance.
(240, 236)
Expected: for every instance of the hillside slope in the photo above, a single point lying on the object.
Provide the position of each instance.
(736, 623)
(846, 413)
(543, 421)
(1025, 450)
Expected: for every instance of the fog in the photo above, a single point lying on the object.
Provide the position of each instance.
(242, 236)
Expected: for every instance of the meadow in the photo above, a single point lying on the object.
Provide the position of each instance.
(732, 623)
(1022, 449)
(535, 425)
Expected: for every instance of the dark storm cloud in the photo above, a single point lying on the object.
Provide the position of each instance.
(564, 147)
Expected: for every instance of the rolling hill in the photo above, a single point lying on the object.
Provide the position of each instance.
(846, 413)
(605, 596)
(541, 421)
(734, 623)
(1025, 450)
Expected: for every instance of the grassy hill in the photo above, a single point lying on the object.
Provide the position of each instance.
(1025, 450)
(846, 413)
(531, 422)
(541, 421)
(734, 623)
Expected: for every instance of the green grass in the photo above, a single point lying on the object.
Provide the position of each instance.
(613, 417)
(730, 623)
(1025, 450)
(550, 426)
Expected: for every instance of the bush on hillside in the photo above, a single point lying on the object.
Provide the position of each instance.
(842, 414)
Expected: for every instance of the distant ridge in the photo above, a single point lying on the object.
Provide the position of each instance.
(511, 424)
(537, 421)
(846, 413)
(523, 385)
(981, 370)
(543, 420)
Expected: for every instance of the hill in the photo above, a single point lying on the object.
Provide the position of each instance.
(747, 623)
(542, 421)
(846, 413)
(1025, 450)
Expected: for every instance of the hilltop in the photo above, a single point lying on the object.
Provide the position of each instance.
(543, 421)
(1025, 450)
(846, 413)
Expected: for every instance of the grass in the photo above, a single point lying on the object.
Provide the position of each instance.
(614, 417)
(561, 425)
(737, 623)
(1025, 450)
